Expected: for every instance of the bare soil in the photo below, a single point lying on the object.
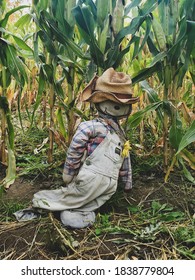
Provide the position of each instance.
(47, 239)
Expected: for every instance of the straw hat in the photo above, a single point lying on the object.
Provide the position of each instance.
(111, 85)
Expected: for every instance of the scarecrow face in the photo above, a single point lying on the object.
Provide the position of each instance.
(114, 109)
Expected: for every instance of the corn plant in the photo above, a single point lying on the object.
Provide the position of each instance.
(171, 43)
(59, 66)
(11, 66)
(103, 28)
(72, 40)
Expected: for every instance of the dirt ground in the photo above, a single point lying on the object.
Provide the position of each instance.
(109, 238)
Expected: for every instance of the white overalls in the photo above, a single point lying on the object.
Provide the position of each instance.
(95, 183)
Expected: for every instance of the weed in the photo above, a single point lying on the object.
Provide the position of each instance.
(158, 224)
(185, 235)
(31, 151)
(8, 208)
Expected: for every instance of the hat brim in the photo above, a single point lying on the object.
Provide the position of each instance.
(100, 96)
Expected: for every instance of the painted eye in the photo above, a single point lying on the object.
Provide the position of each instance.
(116, 107)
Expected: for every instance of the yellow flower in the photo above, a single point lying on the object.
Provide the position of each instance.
(126, 149)
(66, 100)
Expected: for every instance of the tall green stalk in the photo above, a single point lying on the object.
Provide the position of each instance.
(12, 67)
(171, 42)
(3, 121)
(51, 110)
(70, 112)
(51, 124)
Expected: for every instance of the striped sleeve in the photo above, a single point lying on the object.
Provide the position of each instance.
(77, 148)
(125, 173)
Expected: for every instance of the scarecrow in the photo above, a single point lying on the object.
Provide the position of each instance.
(98, 156)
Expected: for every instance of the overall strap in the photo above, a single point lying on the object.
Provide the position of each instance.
(115, 126)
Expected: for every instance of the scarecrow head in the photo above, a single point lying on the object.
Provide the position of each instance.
(111, 93)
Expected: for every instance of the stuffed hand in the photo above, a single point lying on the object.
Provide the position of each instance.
(67, 178)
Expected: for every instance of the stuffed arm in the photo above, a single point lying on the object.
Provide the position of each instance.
(125, 174)
(76, 152)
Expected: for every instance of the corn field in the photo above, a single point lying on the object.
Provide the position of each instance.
(50, 50)
(48, 55)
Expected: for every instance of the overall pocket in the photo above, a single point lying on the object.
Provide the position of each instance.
(114, 152)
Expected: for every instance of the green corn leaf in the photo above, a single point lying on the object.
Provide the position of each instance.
(103, 9)
(186, 172)
(146, 72)
(152, 48)
(188, 138)
(19, 65)
(93, 7)
(147, 32)
(60, 121)
(2, 5)
(130, 29)
(48, 43)
(133, 4)
(103, 36)
(175, 51)
(118, 57)
(4, 21)
(175, 135)
(193, 77)
(136, 40)
(189, 157)
(8, 78)
(189, 48)
(70, 19)
(65, 40)
(19, 109)
(112, 56)
(148, 7)
(48, 70)
(167, 17)
(158, 58)
(15, 65)
(153, 97)
(39, 6)
(159, 34)
(59, 90)
(62, 14)
(23, 21)
(69, 62)
(57, 8)
(84, 20)
(135, 119)
(21, 44)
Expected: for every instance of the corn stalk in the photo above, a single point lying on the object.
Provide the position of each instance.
(55, 29)
(171, 43)
(3, 120)
(106, 46)
(11, 67)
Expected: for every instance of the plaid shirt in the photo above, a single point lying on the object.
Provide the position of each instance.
(87, 137)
